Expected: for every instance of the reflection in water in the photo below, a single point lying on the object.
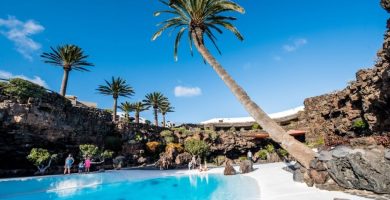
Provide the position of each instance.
(202, 177)
(68, 187)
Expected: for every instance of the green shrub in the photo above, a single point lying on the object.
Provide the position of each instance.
(40, 156)
(138, 137)
(359, 124)
(232, 129)
(113, 143)
(262, 154)
(169, 139)
(256, 126)
(23, 89)
(148, 122)
(282, 152)
(166, 133)
(319, 142)
(196, 147)
(94, 152)
(212, 134)
(270, 148)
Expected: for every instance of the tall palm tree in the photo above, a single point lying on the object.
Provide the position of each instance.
(117, 87)
(164, 109)
(68, 57)
(155, 100)
(200, 18)
(138, 107)
(126, 107)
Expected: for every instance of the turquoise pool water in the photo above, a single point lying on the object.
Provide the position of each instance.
(119, 185)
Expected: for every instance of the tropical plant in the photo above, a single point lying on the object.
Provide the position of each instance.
(262, 154)
(138, 107)
(196, 147)
(126, 107)
(116, 88)
(200, 18)
(68, 57)
(94, 152)
(22, 89)
(41, 158)
(164, 109)
(270, 148)
(155, 100)
(256, 126)
(153, 146)
(174, 146)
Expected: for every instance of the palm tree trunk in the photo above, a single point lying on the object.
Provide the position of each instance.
(299, 151)
(155, 116)
(137, 117)
(163, 115)
(64, 81)
(114, 109)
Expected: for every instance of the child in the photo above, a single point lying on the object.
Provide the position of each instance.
(81, 167)
(87, 164)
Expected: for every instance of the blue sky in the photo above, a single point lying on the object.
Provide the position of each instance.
(292, 50)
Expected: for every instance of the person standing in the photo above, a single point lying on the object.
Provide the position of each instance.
(68, 163)
(87, 164)
(249, 155)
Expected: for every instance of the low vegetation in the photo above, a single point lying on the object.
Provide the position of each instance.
(196, 147)
(41, 158)
(22, 89)
(94, 152)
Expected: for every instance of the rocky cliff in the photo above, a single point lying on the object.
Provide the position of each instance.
(361, 109)
(49, 122)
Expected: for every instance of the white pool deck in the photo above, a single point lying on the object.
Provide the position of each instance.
(277, 184)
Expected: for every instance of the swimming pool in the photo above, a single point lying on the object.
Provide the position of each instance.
(128, 185)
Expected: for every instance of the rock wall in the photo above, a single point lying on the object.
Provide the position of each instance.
(361, 109)
(50, 122)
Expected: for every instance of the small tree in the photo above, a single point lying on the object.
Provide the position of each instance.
(41, 158)
(95, 153)
(196, 147)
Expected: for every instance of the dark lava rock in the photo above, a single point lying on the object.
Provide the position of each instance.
(229, 169)
(356, 171)
(246, 166)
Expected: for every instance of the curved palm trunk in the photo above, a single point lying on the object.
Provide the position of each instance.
(114, 109)
(155, 116)
(64, 83)
(137, 117)
(299, 151)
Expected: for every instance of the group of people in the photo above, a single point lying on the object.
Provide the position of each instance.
(196, 162)
(83, 166)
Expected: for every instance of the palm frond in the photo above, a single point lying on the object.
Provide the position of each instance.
(204, 15)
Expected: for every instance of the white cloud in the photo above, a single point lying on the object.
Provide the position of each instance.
(36, 79)
(181, 91)
(20, 33)
(296, 44)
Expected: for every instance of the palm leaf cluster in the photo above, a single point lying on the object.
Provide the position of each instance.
(68, 56)
(117, 87)
(198, 15)
(157, 101)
